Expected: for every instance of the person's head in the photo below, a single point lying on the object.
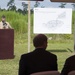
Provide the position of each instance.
(3, 18)
(40, 41)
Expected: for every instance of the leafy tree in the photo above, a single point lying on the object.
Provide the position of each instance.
(36, 4)
(31, 11)
(11, 5)
(42, 6)
(19, 10)
(73, 5)
(0, 8)
(12, 8)
(3, 9)
(25, 6)
(62, 5)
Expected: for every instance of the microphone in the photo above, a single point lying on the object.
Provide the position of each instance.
(4, 24)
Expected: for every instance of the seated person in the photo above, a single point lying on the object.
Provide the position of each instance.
(38, 60)
(69, 65)
(4, 24)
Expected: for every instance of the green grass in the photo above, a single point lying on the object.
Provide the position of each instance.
(19, 23)
(61, 45)
(10, 66)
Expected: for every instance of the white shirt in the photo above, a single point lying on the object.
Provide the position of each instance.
(7, 26)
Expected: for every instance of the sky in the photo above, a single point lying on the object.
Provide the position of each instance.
(46, 3)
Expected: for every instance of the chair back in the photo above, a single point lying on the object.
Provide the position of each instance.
(71, 73)
(47, 73)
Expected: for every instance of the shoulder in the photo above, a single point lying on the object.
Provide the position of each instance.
(1, 22)
(7, 22)
(70, 58)
(26, 55)
(51, 54)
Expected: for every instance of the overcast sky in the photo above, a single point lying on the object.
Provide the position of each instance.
(46, 3)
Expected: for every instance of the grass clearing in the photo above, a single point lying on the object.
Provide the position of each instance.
(61, 45)
(10, 66)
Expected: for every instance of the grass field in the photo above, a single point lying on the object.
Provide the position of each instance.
(61, 45)
(10, 66)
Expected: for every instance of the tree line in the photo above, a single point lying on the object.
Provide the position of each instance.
(12, 7)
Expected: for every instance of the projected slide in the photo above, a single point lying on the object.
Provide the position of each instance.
(52, 20)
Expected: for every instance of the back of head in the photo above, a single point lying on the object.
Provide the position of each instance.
(39, 40)
(3, 16)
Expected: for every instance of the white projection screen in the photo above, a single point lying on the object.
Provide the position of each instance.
(52, 20)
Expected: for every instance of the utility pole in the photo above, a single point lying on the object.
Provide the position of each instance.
(29, 28)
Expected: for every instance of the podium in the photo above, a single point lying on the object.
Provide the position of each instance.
(6, 43)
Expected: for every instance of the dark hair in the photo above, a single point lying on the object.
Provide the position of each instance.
(3, 16)
(39, 40)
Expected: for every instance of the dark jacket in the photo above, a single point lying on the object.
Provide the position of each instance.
(36, 61)
(69, 65)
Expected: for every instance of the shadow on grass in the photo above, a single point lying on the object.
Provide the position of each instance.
(57, 50)
(61, 50)
(69, 50)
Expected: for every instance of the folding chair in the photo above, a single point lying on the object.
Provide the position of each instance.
(71, 73)
(47, 73)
